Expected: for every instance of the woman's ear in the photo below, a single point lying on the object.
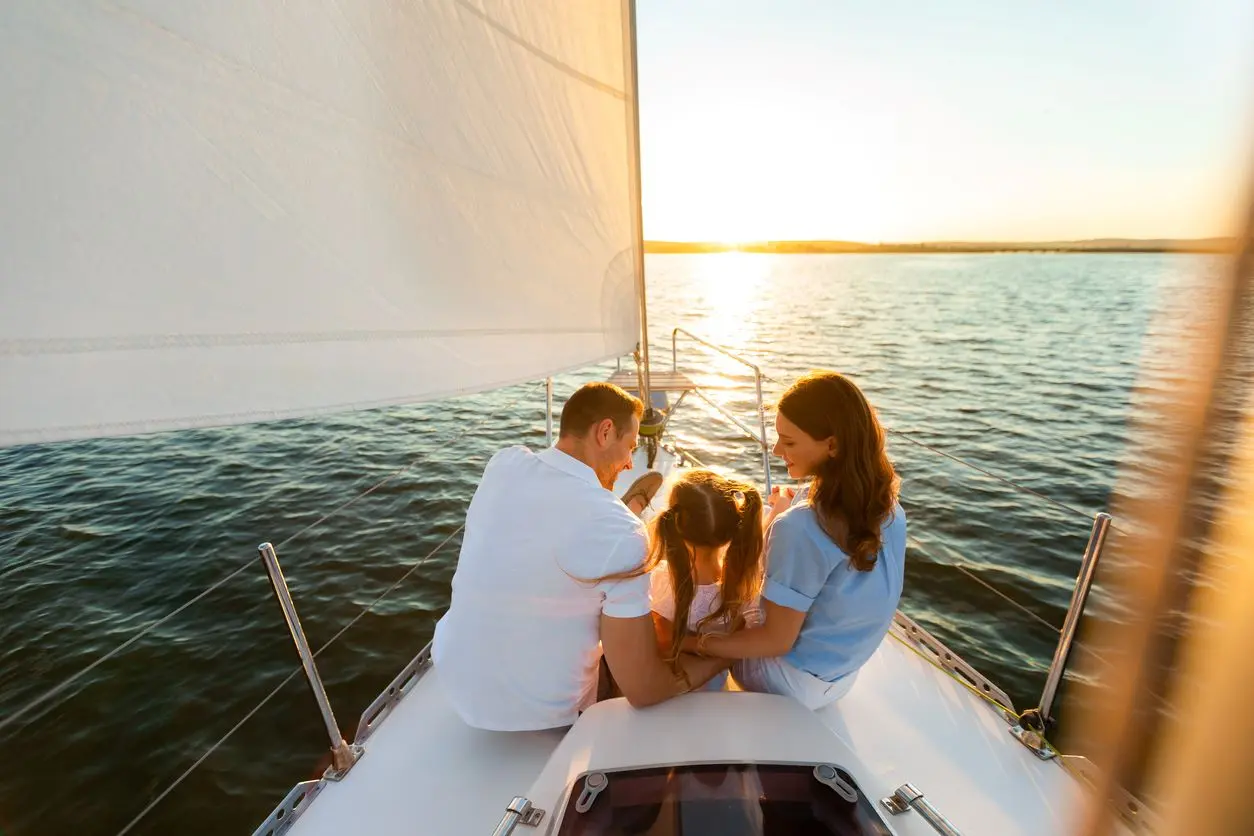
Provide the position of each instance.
(831, 447)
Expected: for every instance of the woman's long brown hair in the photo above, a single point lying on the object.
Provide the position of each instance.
(855, 490)
(709, 510)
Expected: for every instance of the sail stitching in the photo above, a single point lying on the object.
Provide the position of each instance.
(551, 60)
(151, 342)
(67, 431)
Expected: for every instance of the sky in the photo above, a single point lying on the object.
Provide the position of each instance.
(888, 120)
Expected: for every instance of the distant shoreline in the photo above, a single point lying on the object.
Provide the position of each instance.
(1098, 245)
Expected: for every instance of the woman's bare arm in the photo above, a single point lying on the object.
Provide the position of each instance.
(774, 637)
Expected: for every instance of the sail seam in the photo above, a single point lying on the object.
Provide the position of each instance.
(66, 432)
(157, 342)
(551, 60)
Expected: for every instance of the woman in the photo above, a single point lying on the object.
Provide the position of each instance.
(835, 553)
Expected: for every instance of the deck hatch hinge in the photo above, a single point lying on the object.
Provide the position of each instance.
(519, 811)
(907, 798)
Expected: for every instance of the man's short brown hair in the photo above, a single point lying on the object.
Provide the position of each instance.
(592, 403)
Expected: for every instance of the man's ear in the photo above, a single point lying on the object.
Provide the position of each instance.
(605, 431)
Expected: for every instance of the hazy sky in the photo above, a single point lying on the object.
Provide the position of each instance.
(903, 120)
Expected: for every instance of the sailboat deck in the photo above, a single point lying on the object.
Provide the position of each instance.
(659, 381)
(910, 722)
(427, 772)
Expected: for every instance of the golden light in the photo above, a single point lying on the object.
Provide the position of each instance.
(733, 287)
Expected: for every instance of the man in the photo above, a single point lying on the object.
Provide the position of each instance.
(520, 647)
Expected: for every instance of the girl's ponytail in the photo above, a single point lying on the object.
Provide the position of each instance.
(750, 514)
(742, 564)
(670, 545)
(706, 510)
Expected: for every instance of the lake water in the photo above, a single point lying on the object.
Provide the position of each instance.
(1026, 365)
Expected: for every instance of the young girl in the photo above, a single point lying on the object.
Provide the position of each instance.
(705, 548)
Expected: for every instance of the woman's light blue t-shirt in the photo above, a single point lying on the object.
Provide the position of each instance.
(847, 612)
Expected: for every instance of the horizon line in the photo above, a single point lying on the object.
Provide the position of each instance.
(1214, 244)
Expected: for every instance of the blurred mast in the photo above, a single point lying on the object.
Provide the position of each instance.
(1200, 768)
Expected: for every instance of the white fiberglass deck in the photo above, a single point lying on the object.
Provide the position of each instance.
(425, 772)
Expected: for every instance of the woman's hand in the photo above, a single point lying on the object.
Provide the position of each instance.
(696, 642)
(746, 618)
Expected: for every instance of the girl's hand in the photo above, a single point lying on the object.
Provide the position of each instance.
(779, 501)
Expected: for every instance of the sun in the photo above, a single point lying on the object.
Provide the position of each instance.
(733, 285)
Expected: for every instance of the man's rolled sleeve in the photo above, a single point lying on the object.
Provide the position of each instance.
(627, 597)
(661, 598)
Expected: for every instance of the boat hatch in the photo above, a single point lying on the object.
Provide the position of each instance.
(731, 799)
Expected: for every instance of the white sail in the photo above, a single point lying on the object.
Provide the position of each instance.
(222, 211)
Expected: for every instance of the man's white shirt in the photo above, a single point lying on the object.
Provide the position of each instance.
(519, 648)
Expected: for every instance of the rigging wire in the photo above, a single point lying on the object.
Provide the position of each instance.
(963, 462)
(19, 565)
(1025, 609)
(274, 692)
(1064, 506)
(1018, 605)
(1007, 711)
(66, 683)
